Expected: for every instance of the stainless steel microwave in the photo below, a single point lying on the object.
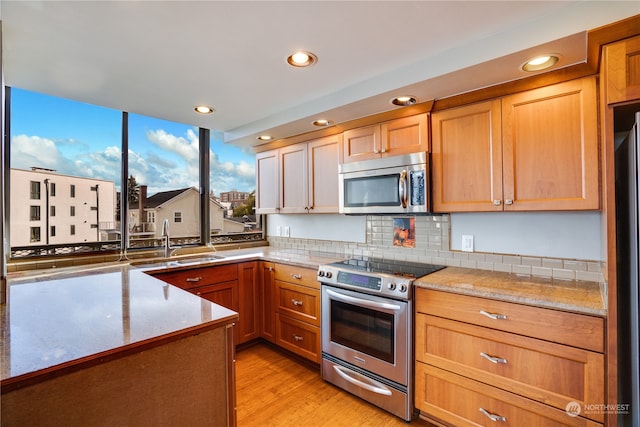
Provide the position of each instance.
(388, 185)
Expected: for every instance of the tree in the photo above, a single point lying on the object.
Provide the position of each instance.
(246, 208)
(133, 191)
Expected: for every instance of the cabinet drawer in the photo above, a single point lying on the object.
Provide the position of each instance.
(298, 302)
(463, 402)
(193, 278)
(547, 372)
(298, 337)
(577, 330)
(300, 275)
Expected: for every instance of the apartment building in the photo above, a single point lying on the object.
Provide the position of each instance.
(48, 208)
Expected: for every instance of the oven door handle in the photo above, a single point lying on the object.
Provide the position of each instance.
(363, 302)
(374, 387)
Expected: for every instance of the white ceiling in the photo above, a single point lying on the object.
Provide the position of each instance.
(161, 58)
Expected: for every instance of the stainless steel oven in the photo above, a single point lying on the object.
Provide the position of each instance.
(367, 336)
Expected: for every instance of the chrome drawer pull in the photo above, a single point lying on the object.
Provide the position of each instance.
(493, 358)
(296, 302)
(296, 276)
(297, 337)
(193, 279)
(493, 417)
(493, 315)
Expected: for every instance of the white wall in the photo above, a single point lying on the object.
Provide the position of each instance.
(342, 228)
(549, 234)
(569, 235)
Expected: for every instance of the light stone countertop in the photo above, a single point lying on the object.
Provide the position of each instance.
(56, 317)
(568, 295)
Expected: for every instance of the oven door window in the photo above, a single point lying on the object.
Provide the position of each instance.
(363, 329)
(379, 190)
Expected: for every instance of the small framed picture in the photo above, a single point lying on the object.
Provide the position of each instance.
(404, 232)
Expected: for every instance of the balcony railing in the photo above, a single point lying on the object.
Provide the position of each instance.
(113, 246)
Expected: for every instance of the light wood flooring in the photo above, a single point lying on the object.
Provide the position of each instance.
(273, 389)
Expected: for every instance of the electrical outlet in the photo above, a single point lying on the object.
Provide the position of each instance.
(287, 231)
(467, 243)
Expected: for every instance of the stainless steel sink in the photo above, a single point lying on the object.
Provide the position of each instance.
(176, 262)
(207, 258)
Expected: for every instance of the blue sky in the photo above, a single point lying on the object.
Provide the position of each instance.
(84, 140)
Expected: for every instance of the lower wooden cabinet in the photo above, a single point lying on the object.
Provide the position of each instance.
(267, 301)
(297, 309)
(298, 337)
(480, 360)
(234, 286)
(461, 401)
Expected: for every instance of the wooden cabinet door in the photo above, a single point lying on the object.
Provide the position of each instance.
(550, 148)
(466, 156)
(268, 305)
(324, 156)
(361, 144)
(405, 136)
(622, 62)
(267, 182)
(248, 302)
(293, 179)
(224, 294)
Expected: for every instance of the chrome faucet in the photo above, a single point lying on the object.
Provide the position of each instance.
(167, 242)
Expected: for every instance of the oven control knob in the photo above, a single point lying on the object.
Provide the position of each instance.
(328, 275)
(403, 288)
(321, 273)
(391, 286)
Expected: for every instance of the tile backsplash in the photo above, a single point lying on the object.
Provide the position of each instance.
(432, 246)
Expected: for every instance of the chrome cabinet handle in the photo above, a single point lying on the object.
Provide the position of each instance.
(493, 359)
(297, 337)
(296, 302)
(496, 202)
(375, 151)
(494, 316)
(508, 202)
(193, 279)
(296, 276)
(493, 417)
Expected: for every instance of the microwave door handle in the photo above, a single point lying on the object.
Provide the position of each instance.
(363, 302)
(402, 188)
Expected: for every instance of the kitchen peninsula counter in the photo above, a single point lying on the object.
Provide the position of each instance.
(568, 295)
(111, 345)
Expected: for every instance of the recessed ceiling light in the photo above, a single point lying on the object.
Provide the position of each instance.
(302, 59)
(540, 62)
(265, 138)
(322, 122)
(204, 109)
(404, 100)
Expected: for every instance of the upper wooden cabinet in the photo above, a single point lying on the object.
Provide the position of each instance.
(267, 182)
(622, 67)
(401, 136)
(535, 150)
(299, 178)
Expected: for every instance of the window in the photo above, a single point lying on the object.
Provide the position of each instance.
(35, 234)
(72, 230)
(44, 149)
(34, 213)
(35, 190)
(162, 162)
(94, 225)
(53, 231)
